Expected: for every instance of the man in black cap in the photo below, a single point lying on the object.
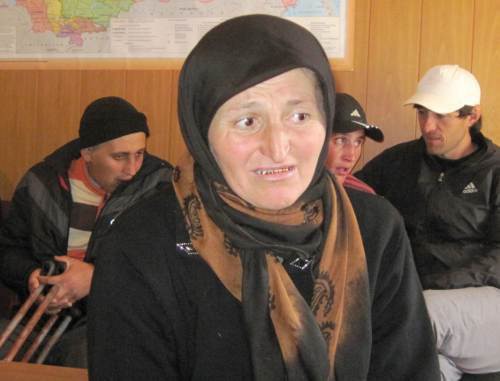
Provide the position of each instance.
(349, 132)
(64, 206)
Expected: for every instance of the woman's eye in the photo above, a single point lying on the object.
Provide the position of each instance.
(358, 143)
(246, 123)
(300, 116)
(339, 141)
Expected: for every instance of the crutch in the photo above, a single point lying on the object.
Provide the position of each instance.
(69, 314)
(49, 268)
(38, 340)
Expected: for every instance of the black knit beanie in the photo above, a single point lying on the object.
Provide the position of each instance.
(109, 118)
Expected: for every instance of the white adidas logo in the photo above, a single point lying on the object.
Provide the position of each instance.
(356, 113)
(470, 188)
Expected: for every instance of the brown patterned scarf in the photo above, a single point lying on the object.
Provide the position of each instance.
(309, 339)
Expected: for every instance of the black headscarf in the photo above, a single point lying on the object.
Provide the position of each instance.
(235, 56)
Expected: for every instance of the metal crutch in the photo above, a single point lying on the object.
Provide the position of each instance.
(40, 338)
(24, 308)
(70, 314)
(48, 268)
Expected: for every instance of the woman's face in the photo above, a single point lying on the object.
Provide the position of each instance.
(267, 139)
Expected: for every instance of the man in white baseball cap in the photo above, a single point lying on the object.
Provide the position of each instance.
(447, 187)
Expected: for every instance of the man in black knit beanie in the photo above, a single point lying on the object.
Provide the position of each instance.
(65, 205)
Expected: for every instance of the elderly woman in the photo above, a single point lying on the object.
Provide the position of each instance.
(254, 264)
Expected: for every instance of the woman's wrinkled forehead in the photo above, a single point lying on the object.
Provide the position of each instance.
(307, 78)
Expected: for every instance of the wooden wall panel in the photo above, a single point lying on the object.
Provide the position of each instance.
(486, 63)
(392, 69)
(101, 83)
(354, 81)
(58, 110)
(150, 92)
(18, 121)
(446, 34)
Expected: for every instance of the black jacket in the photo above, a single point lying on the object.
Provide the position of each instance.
(452, 215)
(158, 312)
(37, 226)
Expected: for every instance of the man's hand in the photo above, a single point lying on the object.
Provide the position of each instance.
(33, 281)
(73, 283)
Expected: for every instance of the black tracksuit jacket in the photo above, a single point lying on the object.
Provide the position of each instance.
(451, 212)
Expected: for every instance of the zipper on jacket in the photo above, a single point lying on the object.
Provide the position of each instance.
(441, 177)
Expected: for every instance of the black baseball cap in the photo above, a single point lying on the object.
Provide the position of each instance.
(350, 116)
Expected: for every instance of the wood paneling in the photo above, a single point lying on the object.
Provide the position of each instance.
(150, 92)
(446, 33)
(392, 69)
(18, 122)
(58, 109)
(354, 81)
(486, 63)
(101, 83)
(395, 43)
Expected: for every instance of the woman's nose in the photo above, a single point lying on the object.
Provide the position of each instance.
(349, 150)
(277, 142)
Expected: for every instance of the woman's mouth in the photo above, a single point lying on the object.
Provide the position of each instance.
(274, 171)
(342, 171)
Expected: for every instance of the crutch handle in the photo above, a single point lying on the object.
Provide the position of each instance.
(52, 267)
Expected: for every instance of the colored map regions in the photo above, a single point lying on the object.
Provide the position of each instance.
(40, 29)
(71, 18)
(311, 8)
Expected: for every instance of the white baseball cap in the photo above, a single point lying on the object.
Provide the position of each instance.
(446, 88)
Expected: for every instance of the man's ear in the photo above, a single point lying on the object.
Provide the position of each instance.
(86, 154)
(474, 115)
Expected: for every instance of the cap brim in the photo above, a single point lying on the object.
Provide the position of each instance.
(371, 131)
(433, 102)
(345, 126)
(375, 133)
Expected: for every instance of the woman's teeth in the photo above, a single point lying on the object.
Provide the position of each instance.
(272, 171)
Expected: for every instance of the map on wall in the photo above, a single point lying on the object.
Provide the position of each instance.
(44, 29)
